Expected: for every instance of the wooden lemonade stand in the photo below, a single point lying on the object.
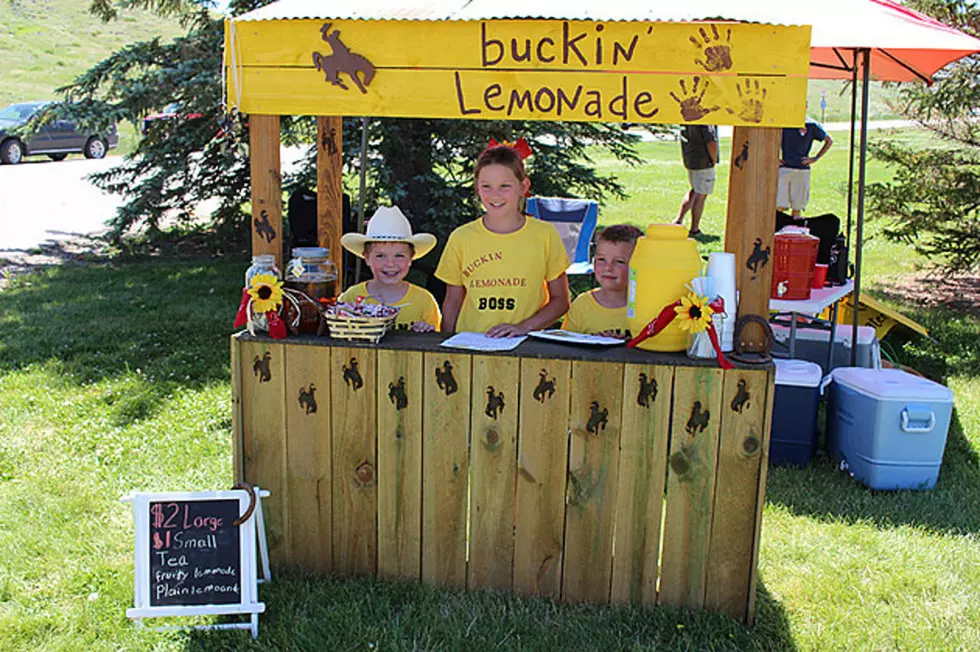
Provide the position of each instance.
(582, 475)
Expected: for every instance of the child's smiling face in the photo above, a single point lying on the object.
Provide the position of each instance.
(500, 190)
(389, 261)
(612, 264)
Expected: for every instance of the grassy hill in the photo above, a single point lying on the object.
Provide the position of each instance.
(45, 44)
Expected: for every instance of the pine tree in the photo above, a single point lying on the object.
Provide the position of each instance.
(421, 165)
(932, 203)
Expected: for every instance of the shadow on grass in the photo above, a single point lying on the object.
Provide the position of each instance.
(309, 613)
(822, 491)
(167, 323)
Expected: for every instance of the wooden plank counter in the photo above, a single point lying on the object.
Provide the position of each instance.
(585, 474)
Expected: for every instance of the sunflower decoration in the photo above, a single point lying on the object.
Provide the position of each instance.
(694, 313)
(266, 292)
(262, 298)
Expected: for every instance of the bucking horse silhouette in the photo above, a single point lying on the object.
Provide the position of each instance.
(342, 60)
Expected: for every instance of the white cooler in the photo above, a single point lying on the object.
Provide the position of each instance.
(811, 344)
(888, 427)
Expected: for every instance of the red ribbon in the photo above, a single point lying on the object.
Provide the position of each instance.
(242, 317)
(277, 327)
(668, 314)
(520, 146)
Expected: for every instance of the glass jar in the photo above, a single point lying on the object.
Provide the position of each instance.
(312, 272)
(262, 264)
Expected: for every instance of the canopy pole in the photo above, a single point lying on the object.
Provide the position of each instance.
(360, 195)
(850, 160)
(865, 83)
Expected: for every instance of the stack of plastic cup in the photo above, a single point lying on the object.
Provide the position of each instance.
(721, 268)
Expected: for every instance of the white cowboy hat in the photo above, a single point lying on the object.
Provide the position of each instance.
(388, 224)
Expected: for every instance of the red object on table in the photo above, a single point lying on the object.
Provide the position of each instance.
(794, 257)
(819, 276)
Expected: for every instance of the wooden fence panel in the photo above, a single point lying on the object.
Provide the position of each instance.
(494, 465)
(309, 509)
(593, 466)
(737, 491)
(647, 394)
(445, 467)
(399, 464)
(763, 470)
(263, 432)
(237, 412)
(690, 486)
(542, 460)
(353, 386)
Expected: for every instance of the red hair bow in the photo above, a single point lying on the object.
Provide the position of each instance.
(520, 146)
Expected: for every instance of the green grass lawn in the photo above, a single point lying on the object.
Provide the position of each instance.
(114, 377)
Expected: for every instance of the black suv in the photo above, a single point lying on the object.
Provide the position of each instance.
(57, 138)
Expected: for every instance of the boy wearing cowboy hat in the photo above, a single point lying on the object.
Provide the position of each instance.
(388, 248)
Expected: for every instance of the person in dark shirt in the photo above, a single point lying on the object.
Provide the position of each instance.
(699, 147)
(795, 162)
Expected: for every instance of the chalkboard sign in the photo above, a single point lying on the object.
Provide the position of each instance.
(195, 554)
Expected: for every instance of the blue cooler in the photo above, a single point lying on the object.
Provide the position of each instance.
(888, 427)
(794, 412)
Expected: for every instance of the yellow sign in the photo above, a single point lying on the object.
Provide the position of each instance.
(721, 73)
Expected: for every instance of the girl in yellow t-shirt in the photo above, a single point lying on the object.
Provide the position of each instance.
(388, 248)
(505, 272)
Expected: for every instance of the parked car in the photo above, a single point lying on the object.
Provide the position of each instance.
(57, 138)
(169, 112)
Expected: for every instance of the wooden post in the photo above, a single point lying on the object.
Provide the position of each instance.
(266, 186)
(752, 185)
(329, 189)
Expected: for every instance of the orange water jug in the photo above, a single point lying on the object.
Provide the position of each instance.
(794, 255)
(663, 263)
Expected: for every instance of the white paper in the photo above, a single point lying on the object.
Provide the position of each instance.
(480, 342)
(569, 337)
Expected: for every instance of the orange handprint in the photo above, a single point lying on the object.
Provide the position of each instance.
(753, 101)
(717, 54)
(691, 108)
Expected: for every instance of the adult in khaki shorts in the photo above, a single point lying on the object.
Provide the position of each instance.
(794, 165)
(699, 147)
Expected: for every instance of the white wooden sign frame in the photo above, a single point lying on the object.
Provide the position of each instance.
(248, 588)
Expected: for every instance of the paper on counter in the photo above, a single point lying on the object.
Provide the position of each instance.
(480, 342)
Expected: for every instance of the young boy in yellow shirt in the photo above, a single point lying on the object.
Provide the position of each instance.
(603, 310)
(388, 248)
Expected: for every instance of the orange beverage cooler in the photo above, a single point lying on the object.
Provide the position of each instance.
(794, 258)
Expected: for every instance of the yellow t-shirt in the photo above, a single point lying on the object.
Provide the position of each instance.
(587, 315)
(416, 305)
(505, 275)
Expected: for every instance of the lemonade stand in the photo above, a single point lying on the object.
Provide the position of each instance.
(609, 475)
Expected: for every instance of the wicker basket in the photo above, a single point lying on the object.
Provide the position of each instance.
(368, 329)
